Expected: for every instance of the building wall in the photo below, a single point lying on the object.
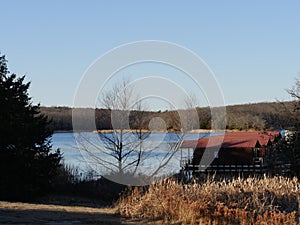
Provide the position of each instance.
(230, 156)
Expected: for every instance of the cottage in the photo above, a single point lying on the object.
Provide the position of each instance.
(235, 151)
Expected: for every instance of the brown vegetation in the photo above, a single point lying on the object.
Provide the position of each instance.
(242, 117)
(240, 201)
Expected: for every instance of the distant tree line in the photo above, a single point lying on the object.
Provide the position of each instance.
(260, 116)
(257, 116)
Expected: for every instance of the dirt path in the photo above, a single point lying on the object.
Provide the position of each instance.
(24, 213)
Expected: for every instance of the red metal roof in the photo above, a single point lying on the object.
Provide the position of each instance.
(241, 139)
(264, 138)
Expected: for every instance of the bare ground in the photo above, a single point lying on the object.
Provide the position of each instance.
(50, 214)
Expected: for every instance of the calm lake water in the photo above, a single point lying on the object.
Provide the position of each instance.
(157, 145)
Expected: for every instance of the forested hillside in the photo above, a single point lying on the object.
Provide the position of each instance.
(248, 116)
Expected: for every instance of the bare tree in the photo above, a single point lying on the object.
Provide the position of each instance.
(295, 90)
(122, 143)
(118, 151)
(291, 145)
(189, 116)
(295, 93)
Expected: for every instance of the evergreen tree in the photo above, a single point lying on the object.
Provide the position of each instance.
(27, 167)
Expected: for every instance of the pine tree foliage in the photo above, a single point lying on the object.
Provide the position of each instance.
(27, 164)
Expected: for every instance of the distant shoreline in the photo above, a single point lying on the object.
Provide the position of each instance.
(154, 131)
(133, 130)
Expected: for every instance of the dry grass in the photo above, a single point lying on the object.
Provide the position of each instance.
(239, 201)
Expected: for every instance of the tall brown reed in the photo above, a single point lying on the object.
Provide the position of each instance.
(239, 201)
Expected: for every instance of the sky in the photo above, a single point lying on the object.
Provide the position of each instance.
(252, 47)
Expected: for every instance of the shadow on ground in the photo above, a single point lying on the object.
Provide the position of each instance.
(24, 213)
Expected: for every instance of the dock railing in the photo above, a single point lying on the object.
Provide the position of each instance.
(284, 168)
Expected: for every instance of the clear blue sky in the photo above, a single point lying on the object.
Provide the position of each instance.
(253, 47)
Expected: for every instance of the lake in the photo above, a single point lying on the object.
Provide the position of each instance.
(84, 154)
